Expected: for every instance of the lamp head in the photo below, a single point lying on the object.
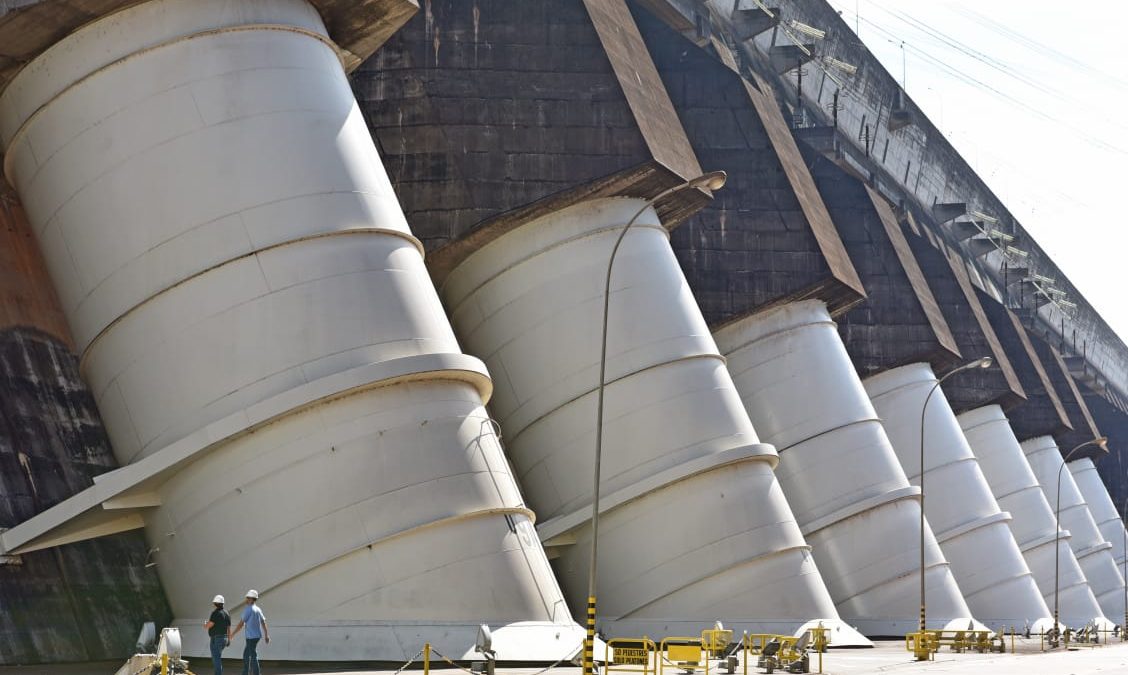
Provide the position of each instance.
(1101, 442)
(982, 362)
(714, 180)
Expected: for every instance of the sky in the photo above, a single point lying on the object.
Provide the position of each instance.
(1034, 95)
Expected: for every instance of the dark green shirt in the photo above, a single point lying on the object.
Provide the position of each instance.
(221, 621)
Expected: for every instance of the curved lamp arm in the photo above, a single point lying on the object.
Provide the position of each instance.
(1102, 441)
(984, 362)
(714, 180)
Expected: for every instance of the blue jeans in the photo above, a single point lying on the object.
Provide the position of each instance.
(218, 642)
(250, 657)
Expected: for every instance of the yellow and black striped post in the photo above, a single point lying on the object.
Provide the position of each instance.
(589, 639)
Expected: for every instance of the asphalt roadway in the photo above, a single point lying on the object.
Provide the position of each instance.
(887, 657)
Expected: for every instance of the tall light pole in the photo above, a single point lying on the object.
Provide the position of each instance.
(1057, 516)
(714, 180)
(984, 362)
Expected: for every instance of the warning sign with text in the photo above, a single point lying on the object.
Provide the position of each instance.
(630, 653)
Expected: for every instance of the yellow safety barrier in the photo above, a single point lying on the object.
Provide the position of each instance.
(820, 639)
(1054, 640)
(685, 653)
(756, 645)
(630, 655)
(1108, 635)
(716, 641)
(1091, 637)
(922, 644)
(925, 644)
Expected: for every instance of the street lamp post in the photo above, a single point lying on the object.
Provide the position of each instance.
(984, 362)
(1057, 518)
(714, 180)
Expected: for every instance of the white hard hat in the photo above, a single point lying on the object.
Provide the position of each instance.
(252, 594)
(217, 600)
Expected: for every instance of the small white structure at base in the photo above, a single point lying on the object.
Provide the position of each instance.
(168, 652)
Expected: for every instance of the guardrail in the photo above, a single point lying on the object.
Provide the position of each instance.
(626, 655)
(786, 652)
(686, 653)
(925, 644)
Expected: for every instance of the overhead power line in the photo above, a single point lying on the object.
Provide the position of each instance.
(945, 65)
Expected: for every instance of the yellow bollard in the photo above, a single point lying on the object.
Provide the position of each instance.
(744, 651)
(164, 664)
(820, 643)
(427, 658)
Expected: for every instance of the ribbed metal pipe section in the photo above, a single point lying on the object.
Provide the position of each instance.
(1016, 488)
(838, 469)
(694, 526)
(973, 532)
(1100, 505)
(1087, 542)
(232, 259)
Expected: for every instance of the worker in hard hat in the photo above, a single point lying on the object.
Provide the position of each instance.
(219, 633)
(255, 622)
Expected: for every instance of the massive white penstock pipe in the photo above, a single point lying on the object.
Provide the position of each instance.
(694, 526)
(973, 532)
(837, 468)
(1087, 542)
(1100, 505)
(1016, 488)
(232, 259)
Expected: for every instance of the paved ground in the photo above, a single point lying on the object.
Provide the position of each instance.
(892, 658)
(887, 658)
